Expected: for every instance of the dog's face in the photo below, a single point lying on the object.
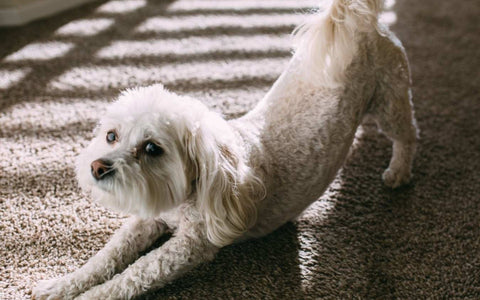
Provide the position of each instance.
(153, 149)
(138, 162)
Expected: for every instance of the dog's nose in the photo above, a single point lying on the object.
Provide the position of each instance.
(101, 169)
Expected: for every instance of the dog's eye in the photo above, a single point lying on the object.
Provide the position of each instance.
(153, 149)
(111, 136)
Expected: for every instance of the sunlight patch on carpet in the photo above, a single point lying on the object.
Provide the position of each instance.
(31, 115)
(85, 27)
(122, 76)
(316, 215)
(11, 77)
(199, 22)
(388, 18)
(40, 51)
(239, 5)
(121, 7)
(196, 45)
(389, 4)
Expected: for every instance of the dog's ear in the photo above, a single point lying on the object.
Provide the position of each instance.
(225, 187)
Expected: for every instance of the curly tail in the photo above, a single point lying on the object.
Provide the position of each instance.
(326, 42)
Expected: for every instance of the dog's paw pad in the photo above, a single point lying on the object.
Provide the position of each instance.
(394, 178)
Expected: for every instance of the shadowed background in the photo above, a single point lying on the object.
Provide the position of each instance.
(359, 240)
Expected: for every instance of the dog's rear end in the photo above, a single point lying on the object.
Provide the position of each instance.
(329, 41)
(346, 66)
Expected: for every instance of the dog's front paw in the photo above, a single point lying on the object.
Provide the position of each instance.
(396, 177)
(54, 289)
(46, 290)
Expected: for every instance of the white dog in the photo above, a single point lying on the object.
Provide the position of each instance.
(178, 166)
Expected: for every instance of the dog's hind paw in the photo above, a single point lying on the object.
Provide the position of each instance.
(396, 177)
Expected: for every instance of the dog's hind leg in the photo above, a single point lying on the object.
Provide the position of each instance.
(392, 109)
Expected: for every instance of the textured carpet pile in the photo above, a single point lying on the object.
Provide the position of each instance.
(359, 240)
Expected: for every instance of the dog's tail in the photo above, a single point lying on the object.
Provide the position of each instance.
(327, 41)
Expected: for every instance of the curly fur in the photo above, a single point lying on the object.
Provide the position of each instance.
(218, 182)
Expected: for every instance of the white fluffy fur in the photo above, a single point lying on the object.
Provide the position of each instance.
(326, 40)
(220, 181)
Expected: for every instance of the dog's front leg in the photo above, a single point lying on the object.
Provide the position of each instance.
(133, 237)
(184, 251)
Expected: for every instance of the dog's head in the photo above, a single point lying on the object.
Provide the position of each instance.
(153, 150)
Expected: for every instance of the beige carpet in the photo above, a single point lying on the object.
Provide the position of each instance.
(360, 240)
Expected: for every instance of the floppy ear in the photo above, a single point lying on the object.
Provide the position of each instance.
(225, 188)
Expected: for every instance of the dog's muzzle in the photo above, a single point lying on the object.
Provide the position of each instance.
(102, 169)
